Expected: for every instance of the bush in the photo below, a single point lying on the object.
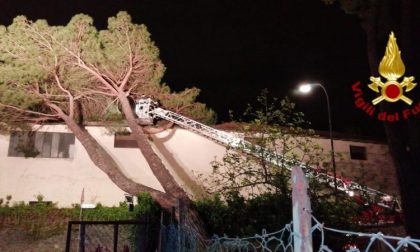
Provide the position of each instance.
(40, 221)
(237, 216)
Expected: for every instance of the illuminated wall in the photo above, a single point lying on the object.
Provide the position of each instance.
(61, 180)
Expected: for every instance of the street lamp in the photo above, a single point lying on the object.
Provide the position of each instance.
(306, 88)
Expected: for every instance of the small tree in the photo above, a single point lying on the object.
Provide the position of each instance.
(276, 130)
(253, 192)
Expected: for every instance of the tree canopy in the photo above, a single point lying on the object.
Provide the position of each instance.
(46, 66)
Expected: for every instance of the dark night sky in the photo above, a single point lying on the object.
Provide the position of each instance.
(232, 49)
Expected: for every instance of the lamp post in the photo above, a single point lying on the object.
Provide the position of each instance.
(306, 88)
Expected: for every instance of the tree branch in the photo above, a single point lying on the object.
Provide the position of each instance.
(130, 67)
(28, 111)
(110, 86)
(69, 95)
(56, 108)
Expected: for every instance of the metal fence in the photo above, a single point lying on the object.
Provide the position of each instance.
(180, 238)
(282, 240)
(101, 236)
(132, 236)
(306, 233)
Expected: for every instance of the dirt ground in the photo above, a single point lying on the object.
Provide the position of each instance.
(14, 241)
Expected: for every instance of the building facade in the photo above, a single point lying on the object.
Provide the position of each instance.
(52, 163)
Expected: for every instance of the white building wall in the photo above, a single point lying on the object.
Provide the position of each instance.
(183, 152)
(62, 180)
(58, 180)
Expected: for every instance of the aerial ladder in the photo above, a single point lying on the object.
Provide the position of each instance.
(148, 110)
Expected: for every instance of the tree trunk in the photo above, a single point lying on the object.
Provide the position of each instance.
(192, 218)
(403, 137)
(106, 163)
(158, 168)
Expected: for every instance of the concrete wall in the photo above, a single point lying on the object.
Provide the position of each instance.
(62, 180)
(377, 171)
(183, 152)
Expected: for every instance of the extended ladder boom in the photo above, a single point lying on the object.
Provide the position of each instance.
(350, 187)
(197, 127)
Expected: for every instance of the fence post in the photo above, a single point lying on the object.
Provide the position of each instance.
(82, 232)
(181, 209)
(301, 207)
(115, 237)
(68, 239)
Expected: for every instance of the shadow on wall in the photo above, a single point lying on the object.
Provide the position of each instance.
(191, 184)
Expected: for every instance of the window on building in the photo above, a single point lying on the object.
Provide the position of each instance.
(124, 140)
(358, 152)
(41, 144)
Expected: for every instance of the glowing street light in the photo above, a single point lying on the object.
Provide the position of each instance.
(306, 88)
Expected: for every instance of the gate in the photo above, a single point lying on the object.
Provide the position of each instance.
(105, 236)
